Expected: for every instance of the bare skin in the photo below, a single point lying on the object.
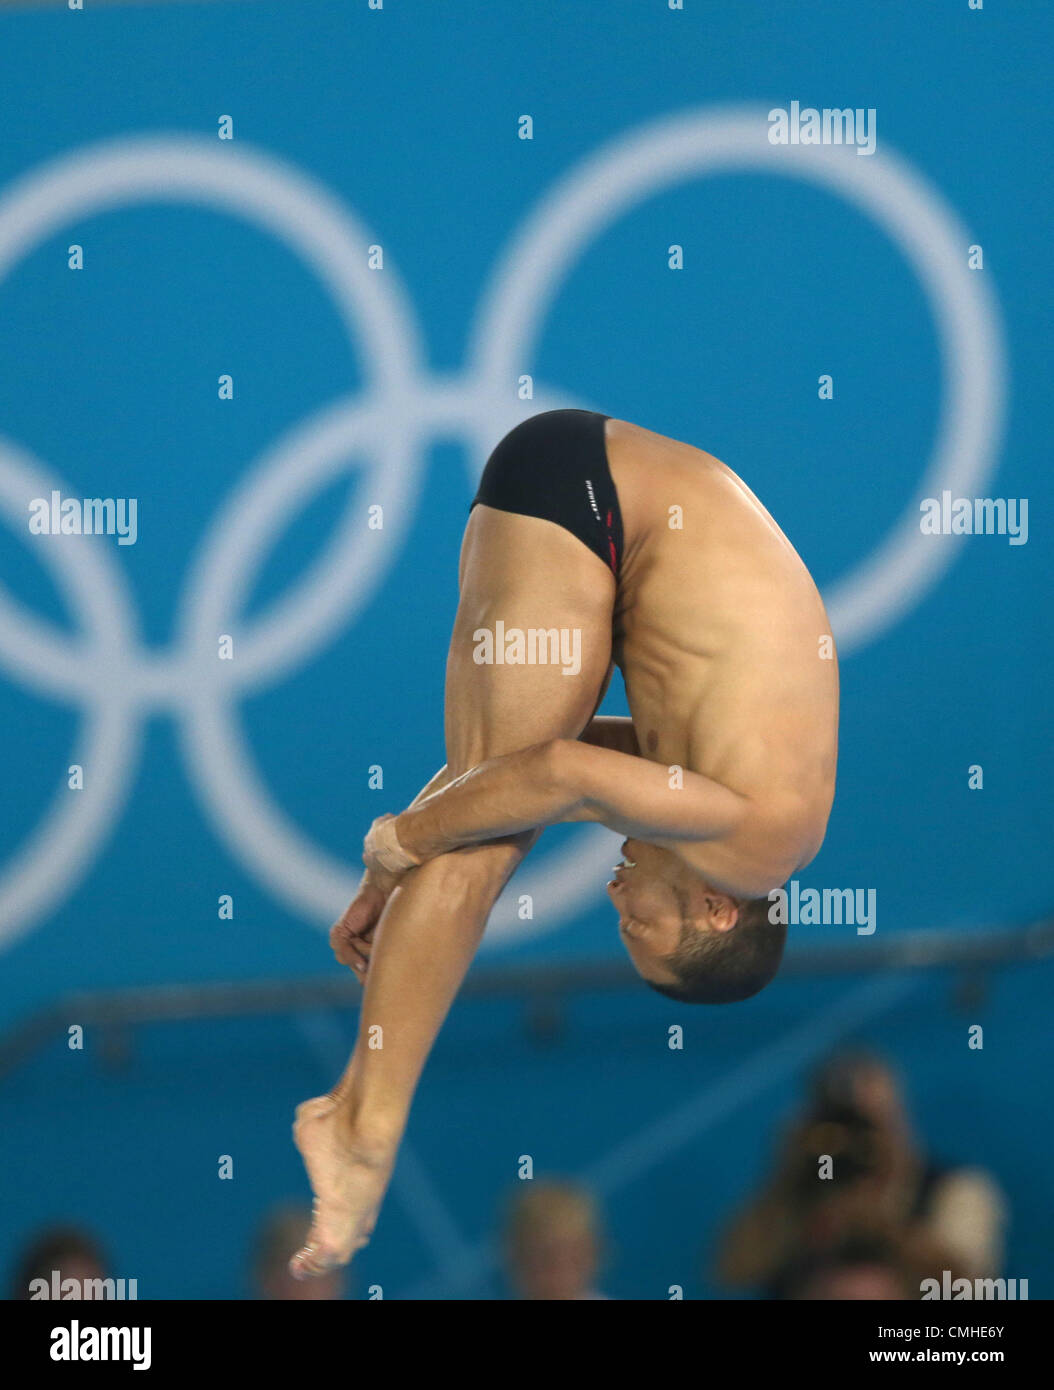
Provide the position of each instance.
(722, 779)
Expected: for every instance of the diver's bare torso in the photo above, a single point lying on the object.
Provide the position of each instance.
(725, 648)
(721, 637)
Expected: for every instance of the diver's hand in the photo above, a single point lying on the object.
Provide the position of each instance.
(351, 936)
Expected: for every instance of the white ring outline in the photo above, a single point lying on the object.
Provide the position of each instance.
(108, 743)
(589, 197)
(505, 326)
(306, 218)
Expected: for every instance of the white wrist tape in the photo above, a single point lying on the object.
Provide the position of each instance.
(382, 844)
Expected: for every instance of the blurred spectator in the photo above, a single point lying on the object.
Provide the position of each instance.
(883, 1187)
(860, 1266)
(857, 1269)
(280, 1236)
(58, 1254)
(553, 1242)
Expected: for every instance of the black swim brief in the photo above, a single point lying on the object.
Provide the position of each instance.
(555, 466)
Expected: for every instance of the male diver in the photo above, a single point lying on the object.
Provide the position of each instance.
(590, 535)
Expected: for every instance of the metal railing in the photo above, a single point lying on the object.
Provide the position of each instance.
(130, 1006)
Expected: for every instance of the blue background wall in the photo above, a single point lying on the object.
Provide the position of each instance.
(108, 378)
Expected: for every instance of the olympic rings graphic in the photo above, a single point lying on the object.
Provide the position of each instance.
(117, 682)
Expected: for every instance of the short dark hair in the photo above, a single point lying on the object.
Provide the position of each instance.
(723, 967)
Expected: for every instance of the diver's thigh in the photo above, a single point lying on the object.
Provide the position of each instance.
(531, 648)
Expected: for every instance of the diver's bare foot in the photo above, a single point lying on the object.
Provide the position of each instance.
(348, 1178)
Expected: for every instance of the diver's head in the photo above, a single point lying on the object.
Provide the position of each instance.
(687, 939)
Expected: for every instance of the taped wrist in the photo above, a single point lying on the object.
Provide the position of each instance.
(382, 844)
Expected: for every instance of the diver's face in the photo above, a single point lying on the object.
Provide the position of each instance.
(650, 918)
